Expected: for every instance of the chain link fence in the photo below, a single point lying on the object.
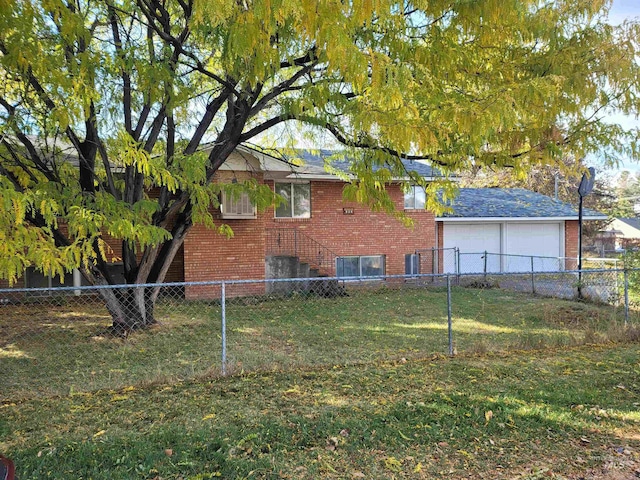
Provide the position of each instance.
(454, 261)
(63, 340)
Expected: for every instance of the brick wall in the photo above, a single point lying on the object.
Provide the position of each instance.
(571, 243)
(364, 232)
(211, 256)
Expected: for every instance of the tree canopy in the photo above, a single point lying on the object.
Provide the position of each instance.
(102, 101)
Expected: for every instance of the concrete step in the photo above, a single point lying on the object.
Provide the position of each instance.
(303, 269)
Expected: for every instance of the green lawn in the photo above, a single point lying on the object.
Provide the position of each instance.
(529, 415)
(351, 387)
(57, 350)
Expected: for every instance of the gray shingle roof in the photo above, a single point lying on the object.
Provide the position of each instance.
(316, 159)
(632, 222)
(510, 203)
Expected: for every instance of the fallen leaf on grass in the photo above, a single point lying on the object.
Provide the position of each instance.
(488, 415)
(392, 463)
(332, 443)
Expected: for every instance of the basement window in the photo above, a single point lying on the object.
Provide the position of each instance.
(412, 264)
(36, 279)
(360, 266)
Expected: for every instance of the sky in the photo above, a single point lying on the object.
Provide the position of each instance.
(624, 9)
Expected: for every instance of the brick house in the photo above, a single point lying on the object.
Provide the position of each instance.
(317, 233)
(324, 234)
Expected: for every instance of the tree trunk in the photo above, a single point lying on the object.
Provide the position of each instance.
(132, 308)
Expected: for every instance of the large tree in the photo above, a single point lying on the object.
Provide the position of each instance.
(627, 193)
(105, 101)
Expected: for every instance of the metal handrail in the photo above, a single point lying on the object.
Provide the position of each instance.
(293, 242)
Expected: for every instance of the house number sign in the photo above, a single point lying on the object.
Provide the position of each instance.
(347, 211)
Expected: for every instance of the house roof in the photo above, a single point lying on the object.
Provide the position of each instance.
(315, 161)
(512, 203)
(632, 222)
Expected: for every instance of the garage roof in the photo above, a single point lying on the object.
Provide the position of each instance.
(512, 203)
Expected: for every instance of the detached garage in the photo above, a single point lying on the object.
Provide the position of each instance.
(509, 230)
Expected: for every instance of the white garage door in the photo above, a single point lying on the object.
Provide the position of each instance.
(472, 240)
(533, 239)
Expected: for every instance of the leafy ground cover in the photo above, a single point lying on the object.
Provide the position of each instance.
(556, 413)
(62, 348)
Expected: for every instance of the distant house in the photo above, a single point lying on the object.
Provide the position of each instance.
(315, 232)
(620, 234)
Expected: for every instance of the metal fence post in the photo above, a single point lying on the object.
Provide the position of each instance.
(434, 261)
(223, 305)
(626, 297)
(533, 280)
(450, 325)
(485, 265)
(457, 253)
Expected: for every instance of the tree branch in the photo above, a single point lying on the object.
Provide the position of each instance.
(311, 55)
(272, 122)
(126, 78)
(280, 89)
(212, 109)
(179, 47)
(107, 167)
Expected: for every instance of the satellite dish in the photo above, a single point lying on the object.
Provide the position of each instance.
(586, 184)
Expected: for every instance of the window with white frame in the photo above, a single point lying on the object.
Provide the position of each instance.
(360, 266)
(237, 206)
(411, 264)
(297, 200)
(415, 198)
